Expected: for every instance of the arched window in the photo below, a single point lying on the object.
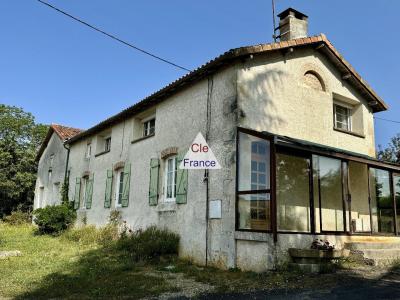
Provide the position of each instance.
(314, 80)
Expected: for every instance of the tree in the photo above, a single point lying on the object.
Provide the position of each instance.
(20, 139)
(392, 152)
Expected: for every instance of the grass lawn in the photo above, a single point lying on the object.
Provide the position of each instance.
(54, 267)
(57, 267)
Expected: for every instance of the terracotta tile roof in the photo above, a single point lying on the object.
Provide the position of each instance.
(319, 42)
(65, 132)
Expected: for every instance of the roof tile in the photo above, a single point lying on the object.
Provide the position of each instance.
(65, 132)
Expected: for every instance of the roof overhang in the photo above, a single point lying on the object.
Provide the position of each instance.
(44, 143)
(319, 43)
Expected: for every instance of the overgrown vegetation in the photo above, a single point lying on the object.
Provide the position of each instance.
(18, 217)
(150, 243)
(54, 219)
(88, 235)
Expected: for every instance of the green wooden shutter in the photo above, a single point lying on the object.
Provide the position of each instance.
(108, 194)
(153, 186)
(181, 180)
(126, 185)
(77, 195)
(89, 192)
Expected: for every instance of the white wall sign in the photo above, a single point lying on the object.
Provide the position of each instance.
(215, 209)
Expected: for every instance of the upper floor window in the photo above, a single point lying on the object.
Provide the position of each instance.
(149, 127)
(51, 160)
(88, 150)
(342, 117)
(107, 144)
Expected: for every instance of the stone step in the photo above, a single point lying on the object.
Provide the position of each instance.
(312, 268)
(381, 253)
(371, 245)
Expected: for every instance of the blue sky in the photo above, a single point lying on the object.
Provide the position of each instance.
(65, 73)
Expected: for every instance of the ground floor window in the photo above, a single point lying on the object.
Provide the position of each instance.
(329, 193)
(382, 210)
(282, 187)
(396, 189)
(254, 172)
(119, 188)
(359, 213)
(83, 191)
(170, 178)
(293, 193)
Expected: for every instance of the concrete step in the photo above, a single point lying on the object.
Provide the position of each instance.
(375, 253)
(392, 254)
(312, 268)
(371, 245)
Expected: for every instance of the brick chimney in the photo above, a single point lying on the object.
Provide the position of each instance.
(292, 25)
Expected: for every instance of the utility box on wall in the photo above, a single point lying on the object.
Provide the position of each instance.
(215, 209)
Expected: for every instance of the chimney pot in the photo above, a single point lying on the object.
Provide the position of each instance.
(292, 25)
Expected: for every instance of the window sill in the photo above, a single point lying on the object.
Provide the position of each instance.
(350, 132)
(101, 153)
(142, 138)
(167, 206)
(253, 236)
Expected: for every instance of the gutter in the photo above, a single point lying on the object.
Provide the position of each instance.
(66, 165)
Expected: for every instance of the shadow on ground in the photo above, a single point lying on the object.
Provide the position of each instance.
(108, 273)
(100, 273)
(345, 285)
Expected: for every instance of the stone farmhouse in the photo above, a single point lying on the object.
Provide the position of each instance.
(291, 124)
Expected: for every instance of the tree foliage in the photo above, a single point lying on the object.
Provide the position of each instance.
(20, 139)
(392, 152)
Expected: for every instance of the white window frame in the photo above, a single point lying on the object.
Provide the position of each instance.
(118, 187)
(349, 116)
(83, 191)
(146, 131)
(166, 173)
(88, 150)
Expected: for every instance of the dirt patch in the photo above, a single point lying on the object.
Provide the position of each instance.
(188, 287)
(6, 254)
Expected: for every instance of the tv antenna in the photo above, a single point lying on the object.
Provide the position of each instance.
(273, 21)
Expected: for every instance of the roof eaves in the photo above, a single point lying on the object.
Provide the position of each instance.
(215, 64)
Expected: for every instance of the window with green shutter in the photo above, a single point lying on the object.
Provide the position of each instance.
(89, 192)
(126, 185)
(108, 193)
(181, 181)
(153, 185)
(77, 195)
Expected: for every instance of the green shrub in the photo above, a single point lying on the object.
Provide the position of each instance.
(150, 243)
(18, 217)
(91, 235)
(54, 219)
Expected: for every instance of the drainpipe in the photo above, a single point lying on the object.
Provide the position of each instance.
(210, 84)
(66, 166)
